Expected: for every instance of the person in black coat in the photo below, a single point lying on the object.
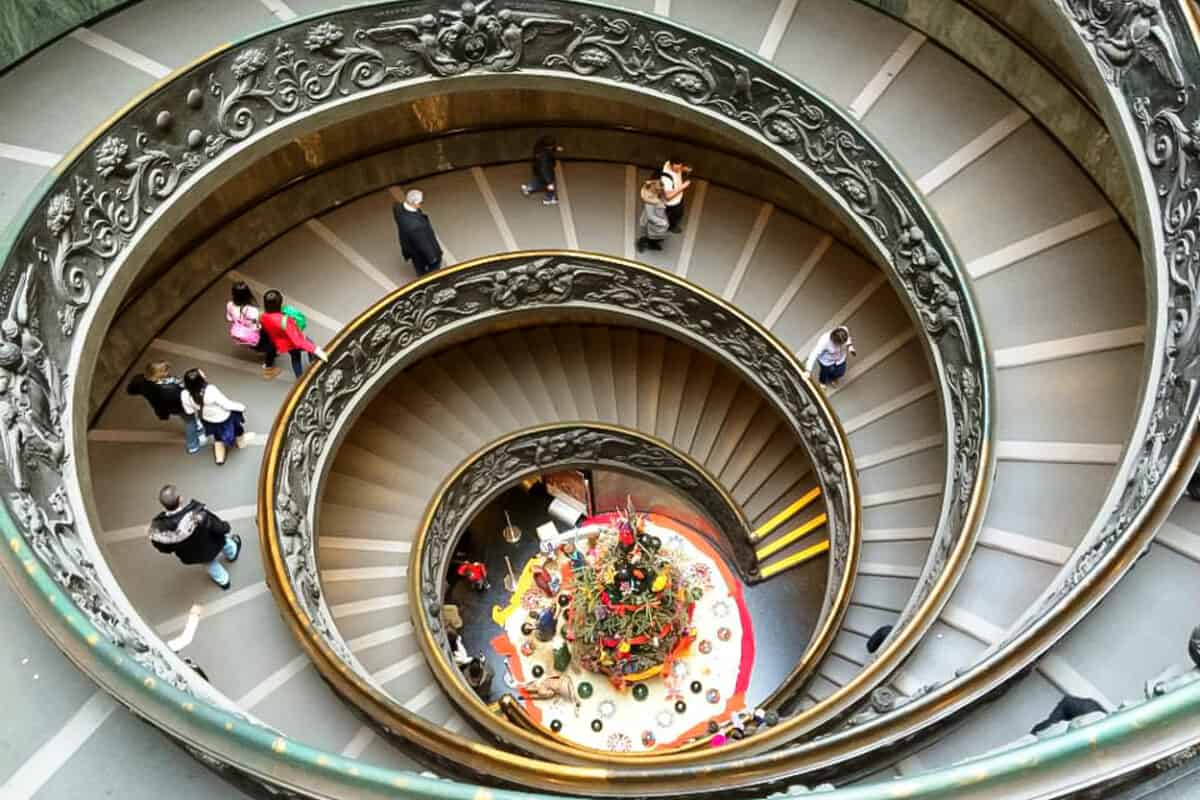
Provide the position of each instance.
(161, 390)
(544, 156)
(1068, 709)
(418, 242)
(194, 534)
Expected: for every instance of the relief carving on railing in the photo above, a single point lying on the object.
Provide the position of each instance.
(1135, 50)
(509, 284)
(102, 200)
(1134, 47)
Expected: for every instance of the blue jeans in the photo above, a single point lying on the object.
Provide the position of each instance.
(192, 431)
(298, 361)
(218, 573)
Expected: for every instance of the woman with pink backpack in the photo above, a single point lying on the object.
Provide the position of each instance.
(245, 327)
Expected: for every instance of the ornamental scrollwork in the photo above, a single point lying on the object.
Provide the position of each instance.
(1126, 34)
(452, 42)
(102, 201)
(412, 321)
(1133, 45)
(297, 83)
(100, 222)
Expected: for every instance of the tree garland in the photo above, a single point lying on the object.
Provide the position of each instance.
(630, 610)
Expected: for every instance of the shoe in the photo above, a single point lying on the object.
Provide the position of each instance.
(550, 201)
(270, 373)
(238, 540)
(676, 230)
(526, 189)
(640, 245)
(225, 586)
(655, 244)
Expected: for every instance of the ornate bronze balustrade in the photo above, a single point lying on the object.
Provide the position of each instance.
(66, 264)
(468, 300)
(96, 221)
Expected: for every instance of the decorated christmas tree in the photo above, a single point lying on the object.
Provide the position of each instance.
(630, 609)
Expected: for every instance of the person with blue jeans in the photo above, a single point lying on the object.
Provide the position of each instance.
(285, 332)
(161, 390)
(194, 534)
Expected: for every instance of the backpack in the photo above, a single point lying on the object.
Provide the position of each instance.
(297, 316)
(244, 332)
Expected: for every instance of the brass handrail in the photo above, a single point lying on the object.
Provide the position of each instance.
(871, 193)
(1163, 449)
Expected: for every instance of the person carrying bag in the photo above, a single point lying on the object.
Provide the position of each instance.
(245, 327)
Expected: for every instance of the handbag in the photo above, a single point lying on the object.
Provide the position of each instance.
(243, 332)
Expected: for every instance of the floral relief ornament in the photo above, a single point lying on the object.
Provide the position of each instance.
(106, 218)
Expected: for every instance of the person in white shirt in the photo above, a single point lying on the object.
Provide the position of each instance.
(223, 419)
(675, 183)
(830, 355)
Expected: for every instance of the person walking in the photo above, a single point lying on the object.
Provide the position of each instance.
(242, 314)
(284, 331)
(544, 157)
(224, 419)
(674, 178)
(162, 391)
(418, 243)
(830, 354)
(194, 534)
(653, 222)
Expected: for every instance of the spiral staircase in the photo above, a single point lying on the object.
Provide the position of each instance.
(1044, 151)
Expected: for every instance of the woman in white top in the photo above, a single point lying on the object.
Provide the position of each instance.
(223, 419)
(674, 182)
(830, 354)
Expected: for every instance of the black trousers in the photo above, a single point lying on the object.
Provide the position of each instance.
(675, 216)
(266, 346)
(1067, 709)
(425, 269)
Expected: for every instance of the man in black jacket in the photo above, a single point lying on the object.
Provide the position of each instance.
(418, 242)
(194, 534)
(161, 390)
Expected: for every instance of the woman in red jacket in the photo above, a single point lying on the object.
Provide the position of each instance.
(285, 333)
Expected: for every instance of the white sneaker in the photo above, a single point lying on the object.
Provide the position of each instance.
(526, 189)
(550, 201)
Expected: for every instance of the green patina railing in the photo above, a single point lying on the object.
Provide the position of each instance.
(264, 757)
(1088, 744)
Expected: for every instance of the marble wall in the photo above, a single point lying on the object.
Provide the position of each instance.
(26, 25)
